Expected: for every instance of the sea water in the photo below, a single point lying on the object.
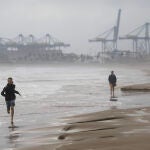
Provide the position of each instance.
(50, 93)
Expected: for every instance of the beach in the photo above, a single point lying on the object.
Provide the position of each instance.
(75, 75)
(75, 111)
(119, 129)
(107, 130)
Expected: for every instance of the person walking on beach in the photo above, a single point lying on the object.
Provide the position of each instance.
(112, 82)
(9, 93)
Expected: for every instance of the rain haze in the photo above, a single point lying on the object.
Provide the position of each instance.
(54, 64)
(72, 21)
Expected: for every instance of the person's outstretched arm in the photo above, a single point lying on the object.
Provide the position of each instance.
(17, 92)
(3, 92)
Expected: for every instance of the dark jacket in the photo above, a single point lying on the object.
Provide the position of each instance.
(112, 79)
(9, 92)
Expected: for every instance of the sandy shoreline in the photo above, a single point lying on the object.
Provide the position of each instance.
(115, 129)
(107, 130)
(137, 87)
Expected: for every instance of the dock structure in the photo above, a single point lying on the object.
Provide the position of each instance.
(31, 42)
(109, 39)
(30, 48)
(109, 42)
(140, 38)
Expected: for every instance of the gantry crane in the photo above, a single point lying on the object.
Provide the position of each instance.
(109, 39)
(47, 42)
(140, 38)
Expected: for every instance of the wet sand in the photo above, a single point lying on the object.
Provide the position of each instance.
(137, 87)
(121, 129)
(116, 129)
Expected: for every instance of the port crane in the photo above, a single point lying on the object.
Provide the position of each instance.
(140, 38)
(109, 39)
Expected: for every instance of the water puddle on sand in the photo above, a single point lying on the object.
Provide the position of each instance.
(142, 120)
(134, 131)
(139, 113)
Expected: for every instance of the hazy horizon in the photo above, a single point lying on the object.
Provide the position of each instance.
(71, 21)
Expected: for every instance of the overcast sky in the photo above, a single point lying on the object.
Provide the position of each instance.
(72, 21)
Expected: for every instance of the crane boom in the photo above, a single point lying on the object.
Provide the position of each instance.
(116, 33)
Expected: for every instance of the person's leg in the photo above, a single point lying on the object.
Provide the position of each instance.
(12, 111)
(111, 90)
(8, 106)
(12, 115)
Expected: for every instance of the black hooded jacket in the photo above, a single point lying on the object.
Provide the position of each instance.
(9, 92)
(112, 79)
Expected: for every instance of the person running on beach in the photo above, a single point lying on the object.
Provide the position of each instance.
(9, 93)
(112, 82)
